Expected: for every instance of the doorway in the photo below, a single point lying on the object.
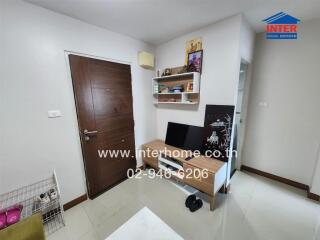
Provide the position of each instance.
(241, 110)
(103, 97)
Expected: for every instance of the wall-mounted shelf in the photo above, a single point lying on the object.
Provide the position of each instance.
(190, 103)
(162, 88)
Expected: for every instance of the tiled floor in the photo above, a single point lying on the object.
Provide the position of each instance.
(256, 208)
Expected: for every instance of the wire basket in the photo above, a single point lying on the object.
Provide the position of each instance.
(28, 196)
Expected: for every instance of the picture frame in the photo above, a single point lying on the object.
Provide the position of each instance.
(195, 60)
(192, 46)
(190, 87)
(218, 126)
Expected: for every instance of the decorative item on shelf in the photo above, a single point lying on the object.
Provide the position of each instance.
(146, 60)
(183, 69)
(158, 73)
(164, 89)
(178, 70)
(195, 60)
(190, 87)
(177, 89)
(167, 72)
(192, 46)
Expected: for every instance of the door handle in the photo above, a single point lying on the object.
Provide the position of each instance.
(87, 134)
(90, 133)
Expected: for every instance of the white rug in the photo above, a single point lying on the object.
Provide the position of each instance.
(144, 225)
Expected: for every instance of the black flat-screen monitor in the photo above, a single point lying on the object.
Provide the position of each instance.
(184, 136)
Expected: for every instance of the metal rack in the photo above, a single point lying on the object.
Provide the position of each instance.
(52, 212)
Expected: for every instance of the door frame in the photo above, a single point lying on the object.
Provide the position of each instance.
(244, 111)
(75, 114)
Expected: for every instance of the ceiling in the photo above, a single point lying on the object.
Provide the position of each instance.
(157, 21)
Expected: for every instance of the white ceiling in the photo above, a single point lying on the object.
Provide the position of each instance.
(157, 21)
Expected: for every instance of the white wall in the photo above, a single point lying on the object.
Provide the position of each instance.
(2, 179)
(283, 137)
(315, 186)
(220, 72)
(247, 36)
(35, 78)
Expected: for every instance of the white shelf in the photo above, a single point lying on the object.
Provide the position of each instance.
(163, 163)
(190, 103)
(168, 162)
(181, 97)
(177, 76)
(167, 93)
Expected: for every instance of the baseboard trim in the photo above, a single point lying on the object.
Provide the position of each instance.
(313, 196)
(276, 178)
(75, 202)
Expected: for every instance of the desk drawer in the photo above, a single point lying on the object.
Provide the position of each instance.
(197, 173)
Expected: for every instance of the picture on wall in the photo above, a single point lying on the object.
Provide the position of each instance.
(195, 61)
(192, 46)
(218, 130)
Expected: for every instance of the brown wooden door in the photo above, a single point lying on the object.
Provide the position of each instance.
(104, 107)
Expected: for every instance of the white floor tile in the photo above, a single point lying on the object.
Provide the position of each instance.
(255, 209)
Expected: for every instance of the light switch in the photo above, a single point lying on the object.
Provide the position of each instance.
(54, 113)
(263, 104)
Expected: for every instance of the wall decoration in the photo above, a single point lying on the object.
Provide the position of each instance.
(192, 46)
(195, 60)
(191, 68)
(218, 130)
